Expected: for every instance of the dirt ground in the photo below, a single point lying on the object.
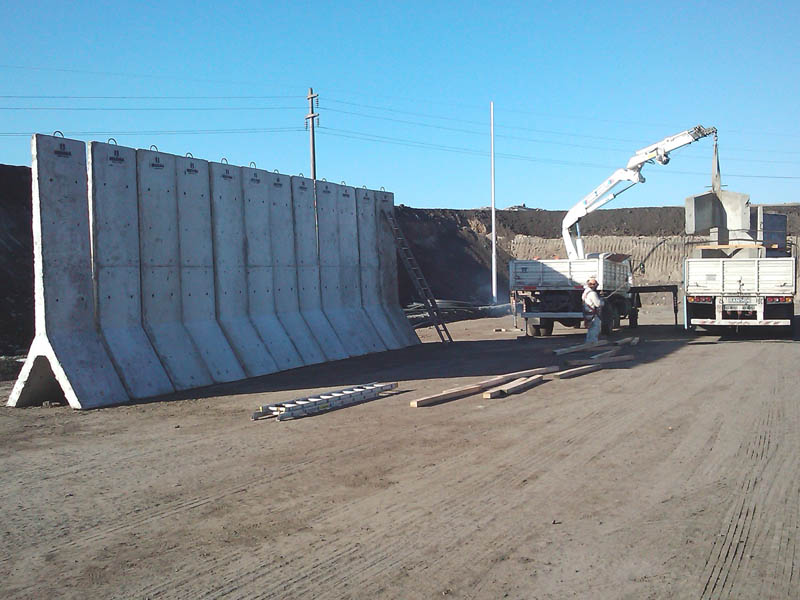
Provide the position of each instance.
(674, 476)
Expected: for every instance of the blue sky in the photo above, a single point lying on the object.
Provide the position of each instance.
(405, 90)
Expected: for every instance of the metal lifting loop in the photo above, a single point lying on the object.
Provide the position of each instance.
(383, 189)
(153, 147)
(325, 180)
(301, 175)
(224, 160)
(344, 182)
(274, 170)
(111, 141)
(189, 155)
(253, 164)
(57, 132)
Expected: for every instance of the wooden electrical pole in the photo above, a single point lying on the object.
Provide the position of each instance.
(312, 116)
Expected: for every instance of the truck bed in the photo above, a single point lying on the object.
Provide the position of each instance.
(715, 276)
(612, 273)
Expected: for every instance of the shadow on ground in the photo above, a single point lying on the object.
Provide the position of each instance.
(433, 360)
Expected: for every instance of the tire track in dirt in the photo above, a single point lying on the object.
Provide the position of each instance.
(361, 570)
(762, 519)
(321, 571)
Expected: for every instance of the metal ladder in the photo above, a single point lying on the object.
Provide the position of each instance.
(418, 279)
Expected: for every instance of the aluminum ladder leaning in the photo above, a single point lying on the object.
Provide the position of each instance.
(418, 279)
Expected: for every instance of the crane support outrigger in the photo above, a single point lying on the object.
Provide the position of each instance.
(658, 152)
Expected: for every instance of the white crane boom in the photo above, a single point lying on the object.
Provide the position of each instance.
(600, 195)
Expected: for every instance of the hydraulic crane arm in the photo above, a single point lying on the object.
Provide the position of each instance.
(601, 195)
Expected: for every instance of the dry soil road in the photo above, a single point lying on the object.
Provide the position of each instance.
(675, 476)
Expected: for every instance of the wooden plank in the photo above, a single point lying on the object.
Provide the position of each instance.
(579, 347)
(514, 387)
(469, 390)
(577, 371)
(601, 361)
(611, 352)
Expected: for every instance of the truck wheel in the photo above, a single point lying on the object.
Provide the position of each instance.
(633, 318)
(547, 327)
(532, 330)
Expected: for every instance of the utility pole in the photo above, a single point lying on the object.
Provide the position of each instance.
(312, 116)
(494, 222)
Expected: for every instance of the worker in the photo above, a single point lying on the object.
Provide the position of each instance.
(592, 307)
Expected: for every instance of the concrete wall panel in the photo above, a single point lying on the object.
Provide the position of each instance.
(387, 252)
(344, 321)
(67, 351)
(256, 186)
(115, 237)
(349, 268)
(287, 302)
(308, 279)
(198, 300)
(160, 271)
(230, 270)
(371, 294)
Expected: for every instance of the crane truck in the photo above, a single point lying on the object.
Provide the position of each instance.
(546, 291)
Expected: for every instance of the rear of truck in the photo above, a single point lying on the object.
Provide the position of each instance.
(546, 291)
(739, 292)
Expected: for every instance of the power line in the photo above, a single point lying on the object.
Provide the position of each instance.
(165, 132)
(297, 96)
(469, 151)
(122, 74)
(147, 108)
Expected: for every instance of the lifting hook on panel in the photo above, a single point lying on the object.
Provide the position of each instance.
(383, 189)
(274, 170)
(224, 160)
(253, 164)
(154, 147)
(343, 182)
(57, 132)
(301, 175)
(189, 155)
(111, 141)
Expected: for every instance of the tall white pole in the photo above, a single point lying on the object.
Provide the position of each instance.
(494, 228)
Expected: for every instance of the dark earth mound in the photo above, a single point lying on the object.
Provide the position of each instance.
(16, 260)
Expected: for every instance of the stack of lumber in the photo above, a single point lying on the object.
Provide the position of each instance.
(514, 383)
(481, 386)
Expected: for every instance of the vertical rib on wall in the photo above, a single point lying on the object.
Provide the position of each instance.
(198, 300)
(227, 218)
(305, 237)
(256, 187)
(115, 239)
(159, 248)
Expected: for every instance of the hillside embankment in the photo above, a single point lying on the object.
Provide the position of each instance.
(453, 248)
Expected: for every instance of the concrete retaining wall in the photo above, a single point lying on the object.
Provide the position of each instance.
(191, 273)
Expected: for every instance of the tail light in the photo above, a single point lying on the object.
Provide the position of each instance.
(779, 299)
(700, 299)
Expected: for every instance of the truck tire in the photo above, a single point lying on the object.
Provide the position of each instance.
(532, 330)
(547, 327)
